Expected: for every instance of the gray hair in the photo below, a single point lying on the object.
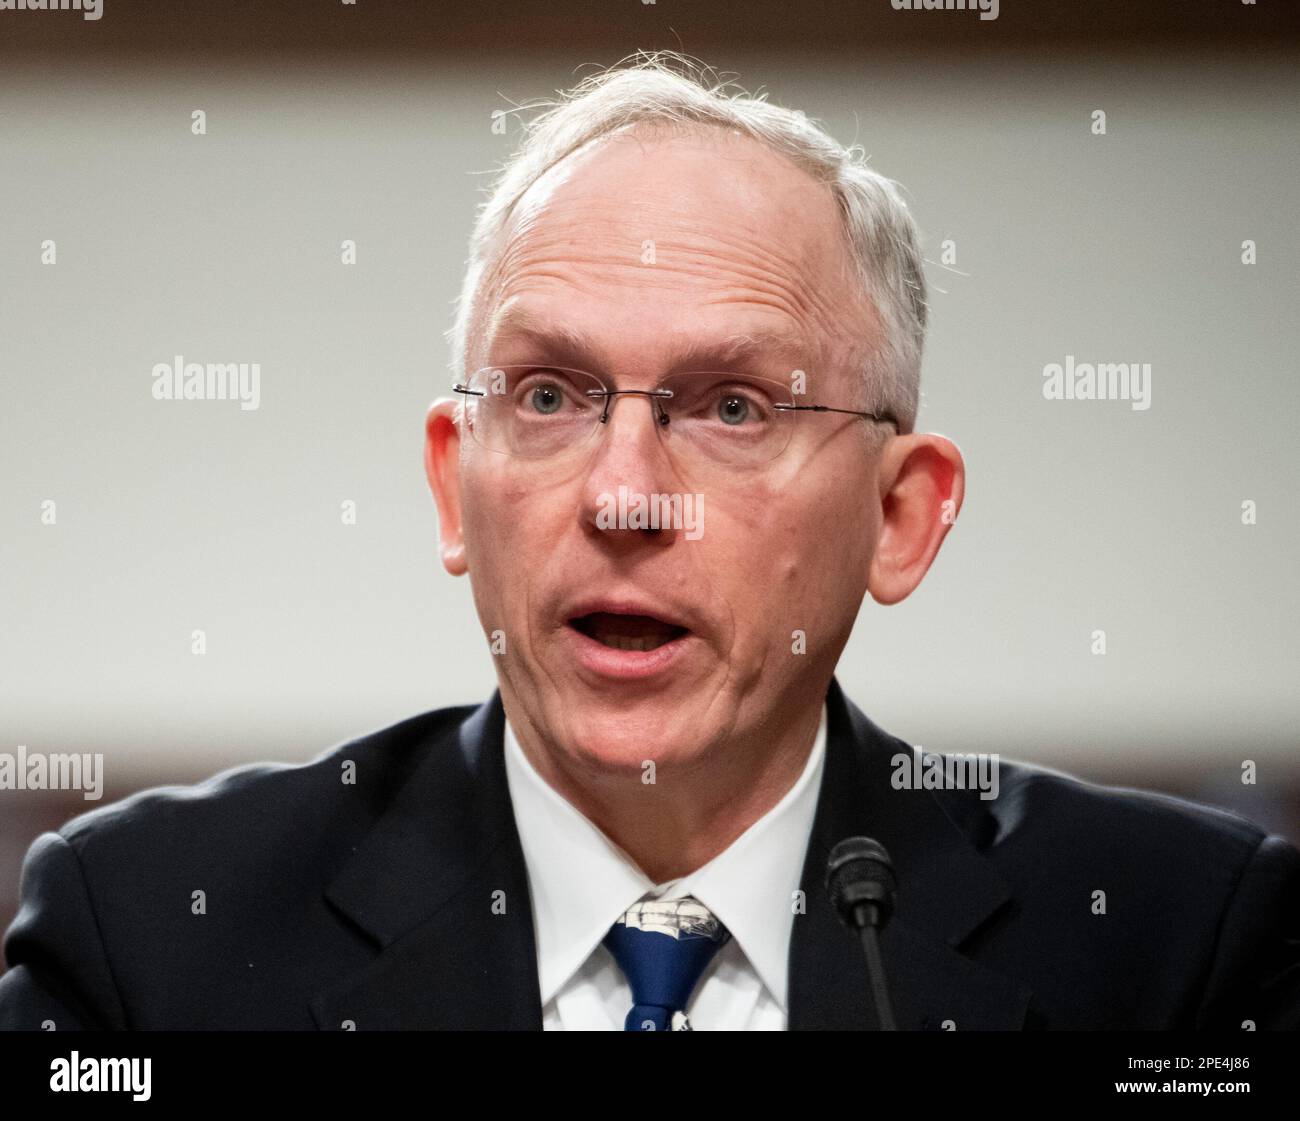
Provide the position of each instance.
(668, 88)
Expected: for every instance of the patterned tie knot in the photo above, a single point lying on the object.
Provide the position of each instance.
(663, 947)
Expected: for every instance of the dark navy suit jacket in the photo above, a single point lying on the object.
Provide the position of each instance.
(376, 904)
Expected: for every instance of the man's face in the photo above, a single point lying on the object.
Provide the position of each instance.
(647, 246)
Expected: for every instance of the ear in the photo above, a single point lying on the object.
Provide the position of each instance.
(922, 483)
(442, 466)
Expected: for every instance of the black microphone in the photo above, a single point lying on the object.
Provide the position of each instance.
(861, 885)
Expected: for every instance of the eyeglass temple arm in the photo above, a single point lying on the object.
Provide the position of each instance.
(884, 417)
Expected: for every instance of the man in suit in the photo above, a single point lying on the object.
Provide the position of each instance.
(680, 453)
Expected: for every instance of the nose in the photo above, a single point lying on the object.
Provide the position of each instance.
(630, 453)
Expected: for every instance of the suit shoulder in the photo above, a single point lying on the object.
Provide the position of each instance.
(353, 778)
(1040, 807)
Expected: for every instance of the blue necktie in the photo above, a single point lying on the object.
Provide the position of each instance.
(663, 947)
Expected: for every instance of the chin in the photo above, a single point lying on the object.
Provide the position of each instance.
(611, 735)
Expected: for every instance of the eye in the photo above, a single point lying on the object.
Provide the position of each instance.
(540, 392)
(732, 403)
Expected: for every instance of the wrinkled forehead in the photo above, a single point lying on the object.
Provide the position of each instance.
(705, 226)
(710, 188)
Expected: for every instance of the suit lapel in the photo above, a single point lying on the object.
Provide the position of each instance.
(946, 891)
(441, 886)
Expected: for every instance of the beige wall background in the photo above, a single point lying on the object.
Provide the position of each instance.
(177, 516)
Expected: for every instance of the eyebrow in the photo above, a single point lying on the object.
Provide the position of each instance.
(565, 344)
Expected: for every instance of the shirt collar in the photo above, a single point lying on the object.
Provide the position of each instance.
(581, 881)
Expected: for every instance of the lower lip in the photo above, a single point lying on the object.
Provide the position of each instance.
(626, 665)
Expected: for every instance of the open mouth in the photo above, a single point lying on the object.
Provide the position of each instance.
(627, 632)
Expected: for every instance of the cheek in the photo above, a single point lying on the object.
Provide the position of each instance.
(501, 517)
(763, 561)
(813, 561)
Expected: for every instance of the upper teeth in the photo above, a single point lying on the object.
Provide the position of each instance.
(623, 642)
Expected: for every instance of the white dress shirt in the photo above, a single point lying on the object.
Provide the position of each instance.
(580, 882)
